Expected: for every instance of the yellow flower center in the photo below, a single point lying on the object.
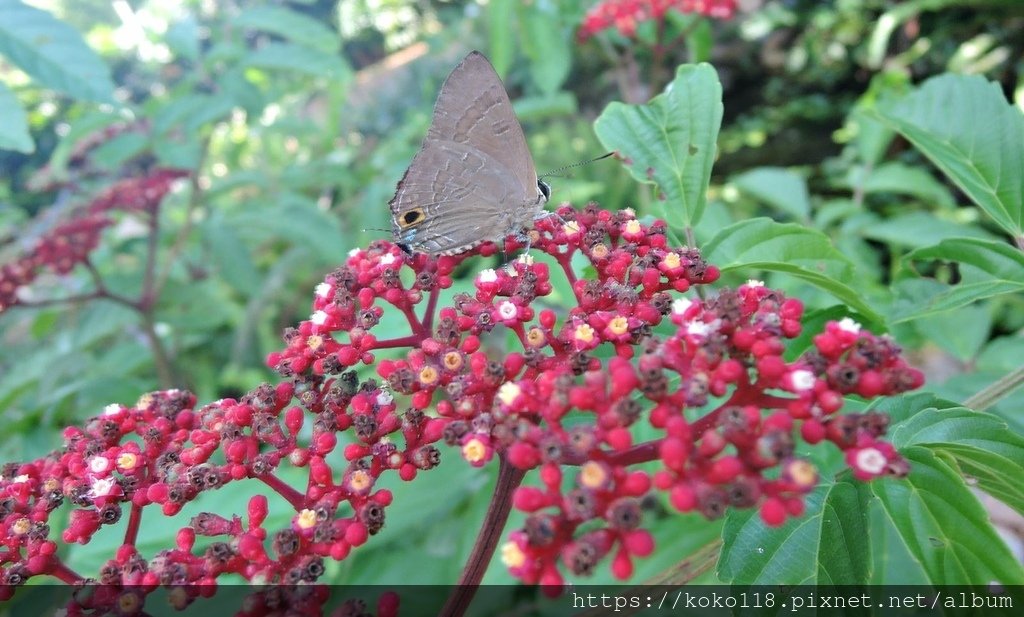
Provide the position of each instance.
(803, 473)
(512, 556)
(127, 461)
(584, 333)
(619, 325)
(453, 360)
(599, 251)
(633, 226)
(428, 375)
(360, 481)
(593, 475)
(535, 337)
(305, 519)
(671, 260)
(474, 451)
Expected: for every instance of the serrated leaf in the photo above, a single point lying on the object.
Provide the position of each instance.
(291, 26)
(763, 244)
(979, 444)
(824, 546)
(671, 140)
(987, 268)
(299, 59)
(52, 53)
(14, 133)
(966, 127)
(780, 188)
(943, 526)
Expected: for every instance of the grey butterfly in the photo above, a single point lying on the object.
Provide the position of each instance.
(473, 179)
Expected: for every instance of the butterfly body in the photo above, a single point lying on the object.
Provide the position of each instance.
(473, 179)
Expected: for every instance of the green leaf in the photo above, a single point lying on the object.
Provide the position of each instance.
(763, 244)
(961, 332)
(965, 126)
(14, 133)
(500, 15)
(780, 188)
(941, 524)
(917, 229)
(291, 26)
(299, 59)
(671, 140)
(979, 445)
(545, 44)
(987, 268)
(52, 53)
(902, 180)
(823, 546)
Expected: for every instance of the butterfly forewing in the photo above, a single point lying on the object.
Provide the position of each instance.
(473, 180)
(473, 108)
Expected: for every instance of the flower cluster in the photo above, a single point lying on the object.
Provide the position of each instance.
(706, 375)
(626, 15)
(69, 243)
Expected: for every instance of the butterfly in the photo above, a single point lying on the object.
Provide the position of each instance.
(473, 179)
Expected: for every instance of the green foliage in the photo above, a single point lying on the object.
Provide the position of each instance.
(671, 141)
(825, 172)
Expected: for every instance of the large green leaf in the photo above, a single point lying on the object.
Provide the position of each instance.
(52, 53)
(784, 190)
(763, 244)
(966, 127)
(13, 123)
(942, 524)
(987, 268)
(978, 444)
(671, 140)
(824, 546)
(291, 26)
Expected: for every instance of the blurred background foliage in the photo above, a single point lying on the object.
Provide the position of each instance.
(298, 118)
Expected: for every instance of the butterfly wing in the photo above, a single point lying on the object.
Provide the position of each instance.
(473, 179)
(452, 198)
(474, 109)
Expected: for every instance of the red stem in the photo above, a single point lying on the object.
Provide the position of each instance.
(294, 497)
(509, 478)
(65, 574)
(134, 520)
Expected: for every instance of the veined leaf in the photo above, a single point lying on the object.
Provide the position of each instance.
(671, 140)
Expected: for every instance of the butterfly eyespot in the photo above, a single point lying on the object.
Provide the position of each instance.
(411, 217)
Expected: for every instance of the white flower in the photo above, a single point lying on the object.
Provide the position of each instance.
(354, 252)
(755, 283)
(526, 258)
(681, 305)
(318, 318)
(323, 290)
(871, 461)
(384, 398)
(102, 487)
(489, 275)
(802, 380)
(849, 325)
(507, 310)
(99, 464)
(112, 409)
(387, 259)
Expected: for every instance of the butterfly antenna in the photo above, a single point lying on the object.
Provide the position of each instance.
(580, 164)
(376, 229)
